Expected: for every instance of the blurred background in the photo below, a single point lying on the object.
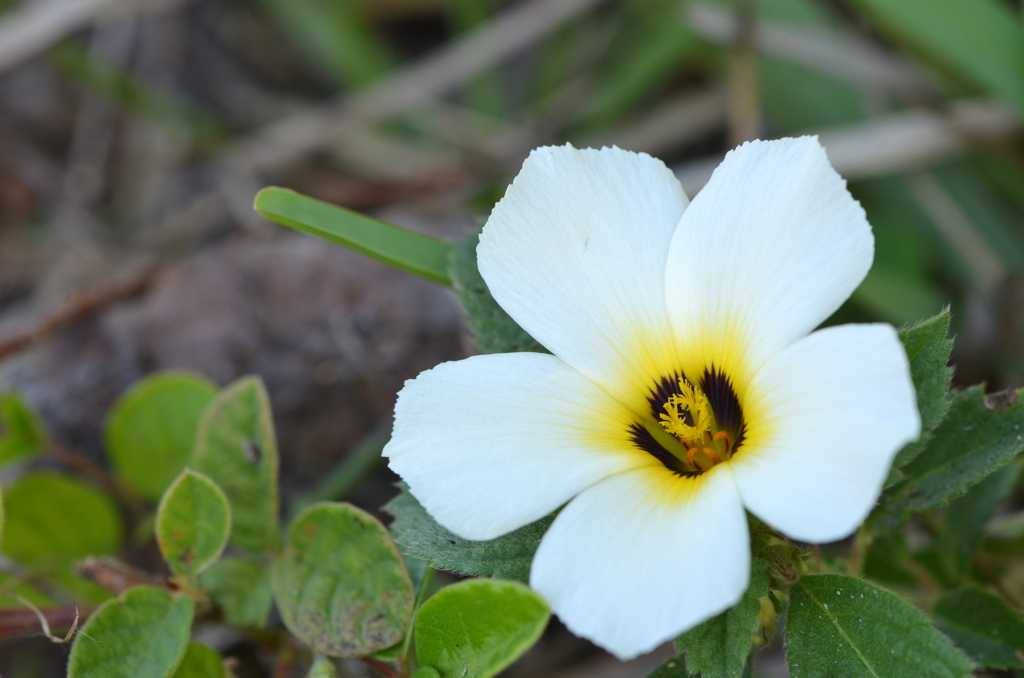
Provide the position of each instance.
(135, 133)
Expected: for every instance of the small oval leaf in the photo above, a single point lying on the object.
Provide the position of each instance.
(141, 634)
(22, 433)
(192, 523)
(236, 448)
(476, 628)
(53, 519)
(341, 585)
(150, 431)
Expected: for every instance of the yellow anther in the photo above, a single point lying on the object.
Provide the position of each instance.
(687, 414)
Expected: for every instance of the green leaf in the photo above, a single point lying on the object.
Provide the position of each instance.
(150, 431)
(426, 672)
(928, 351)
(200, 661)
(476, 628)
(719, 647)
(970, 443)
(979, 40)
(843, 626)
(507, 557)
(341, 585)
(672, 668)
(53, 519)
(409, 251)
(192, 524)
(236, 448)
(242, 587)
(983, 626)
(322, 667)
(495, 330)
(966, 517)
(142, 634)
(22, 433)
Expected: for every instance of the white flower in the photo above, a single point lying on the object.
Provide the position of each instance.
(685, 385)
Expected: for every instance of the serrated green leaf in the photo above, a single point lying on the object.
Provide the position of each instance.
(476, 628)
(322, 667)
(151, 430)
(494, 330)
(970, 443)
(192, 523)
(200, 661)
(966, 517)
(405, 250)
(236, 447)
(341, 585)
(928, 351)
(983, 626)
(53, 519)
(979, 40)
(419, 535)
(844, 626)
(720, 646)
(22, 433)
(242, 587)
(141, 634)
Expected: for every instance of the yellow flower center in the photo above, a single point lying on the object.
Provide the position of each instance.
(688, 416)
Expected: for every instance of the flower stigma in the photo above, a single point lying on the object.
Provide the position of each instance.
(688, 416)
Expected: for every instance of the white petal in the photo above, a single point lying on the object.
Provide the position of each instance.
(575, 253)
(825, 418)
(491, 443)
(767, 251)
(643, 556)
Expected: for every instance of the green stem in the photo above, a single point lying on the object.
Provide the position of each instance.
(859, 551)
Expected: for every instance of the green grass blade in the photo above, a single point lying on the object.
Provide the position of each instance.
(979, 40)
(412, 252)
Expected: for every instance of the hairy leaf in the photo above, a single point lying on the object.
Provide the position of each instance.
(476, 628)
(192, 523)
(341, 585)
(720, 647)
(843, 626)
(495, 331)
(236, 448)
(142, 634)
(928, 351)
(966, 517)
(970, 443)
(983, 626)
(419, 535)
